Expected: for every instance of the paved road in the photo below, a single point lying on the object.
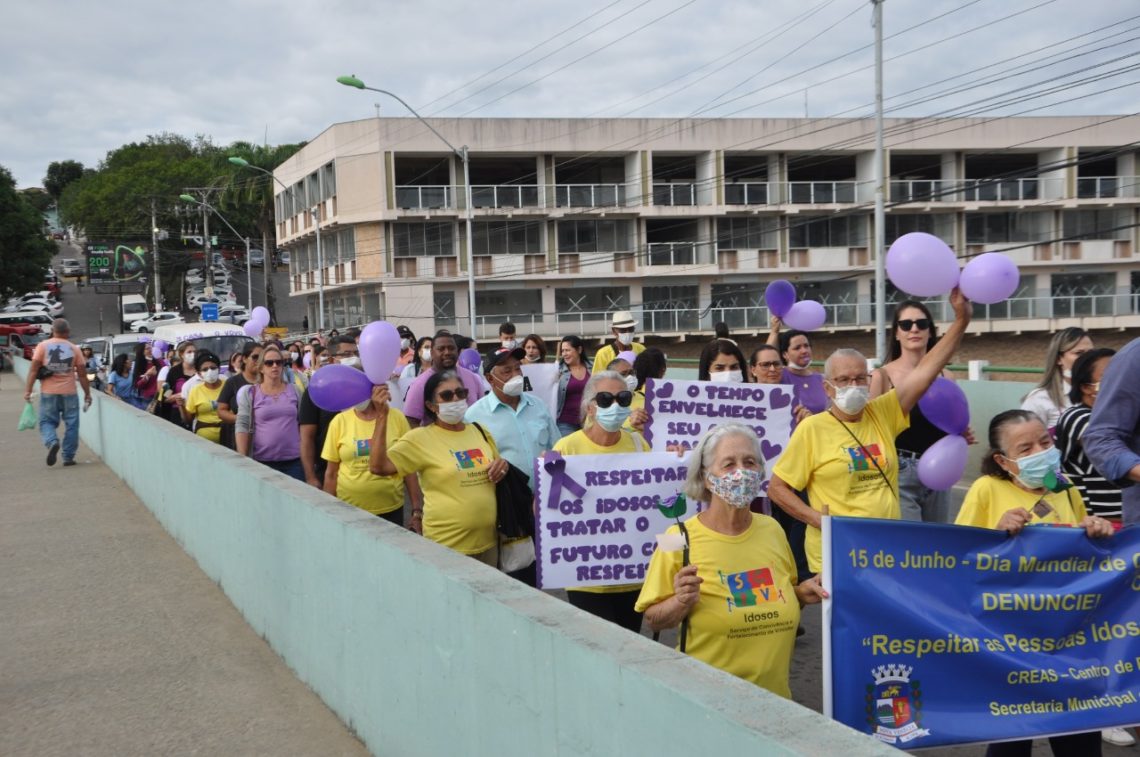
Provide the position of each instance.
(114, 642)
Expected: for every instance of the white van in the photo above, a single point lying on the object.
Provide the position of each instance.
(222, 339)
(37, 318)
(121, 344)
(134, 309)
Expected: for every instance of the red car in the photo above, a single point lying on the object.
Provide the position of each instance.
(22, 339)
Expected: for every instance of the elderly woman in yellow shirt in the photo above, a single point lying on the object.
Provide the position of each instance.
(201, 406)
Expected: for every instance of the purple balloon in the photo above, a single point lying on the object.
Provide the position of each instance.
(379, 350)
(339, 387)
(628, 356)
(259, 313)
(989, 278)
(806, 315)
(780, 296)
(159, 345)
(922, 265)
(307, 360)
(944, 404)
(943, 464)
(253, 328)
(469, 359)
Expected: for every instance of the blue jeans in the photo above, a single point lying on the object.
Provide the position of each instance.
(916, 502)
(56, 407)
(567, 429)
(288, 467)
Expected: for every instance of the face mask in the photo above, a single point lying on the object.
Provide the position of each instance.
(514, 387)
(738, 488)
(727, 377)
(1067, 374)
(188, 358)
(852, 399)
(425, 354)
(625, 337)
(351, 362)
(452, 412)
(631, 382)
(293, 355)
(362, 406)
(611, 418)
(210, 375)
(509, 344)
(1032, 469)
(405, 344)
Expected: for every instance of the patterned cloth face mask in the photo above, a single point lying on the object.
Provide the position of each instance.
(738, 487)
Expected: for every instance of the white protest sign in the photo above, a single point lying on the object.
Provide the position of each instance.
(680, 412)
(597, 518)
(542, 383)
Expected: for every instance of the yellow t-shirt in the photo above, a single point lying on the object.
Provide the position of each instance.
(638, 403)
(822, 458)
(459, 498)
(606, 354)
(349, 442)
(991, 497)
(578, 443)
(202, 403)
(745, 620)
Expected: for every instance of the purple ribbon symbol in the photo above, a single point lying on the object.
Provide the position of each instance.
(555, 465)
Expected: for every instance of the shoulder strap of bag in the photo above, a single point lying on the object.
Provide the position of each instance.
(639, 443)
(684, 635)
(494, 449)
(865, 452)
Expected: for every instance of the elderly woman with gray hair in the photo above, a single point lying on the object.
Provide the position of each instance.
(739, 600)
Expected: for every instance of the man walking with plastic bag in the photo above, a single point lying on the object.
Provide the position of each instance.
(57, 363)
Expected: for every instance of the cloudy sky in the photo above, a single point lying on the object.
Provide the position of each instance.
(82, 78)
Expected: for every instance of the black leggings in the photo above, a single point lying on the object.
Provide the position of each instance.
(1073, 745)
(396, 516)
(616, 607)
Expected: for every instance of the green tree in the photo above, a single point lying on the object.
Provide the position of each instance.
(24, 252)
(38, 199)
(60, 173)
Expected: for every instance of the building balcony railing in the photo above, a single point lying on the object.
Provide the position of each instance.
(1009, 190)
(1103, 187)
(425, 197)
(589, 195)
(917, 190)
(670, 253)
(505, 196)
(821, 192)
(746, 193)
(674, 194)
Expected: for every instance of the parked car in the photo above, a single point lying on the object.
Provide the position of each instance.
(194, 303)
(146, 325)
(36, 318)
(256, 258)
(51, 307)
(71, 267)
(283, 258)
(234, 314)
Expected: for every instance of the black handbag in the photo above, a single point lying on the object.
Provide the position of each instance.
(514, 501)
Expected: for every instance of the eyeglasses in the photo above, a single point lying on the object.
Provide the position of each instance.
(273, 363)
(770, 366)
(447, 395)
(906, 324)
(843, 382)
(605, 399)
(348, 353)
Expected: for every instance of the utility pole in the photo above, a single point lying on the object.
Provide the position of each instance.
(880, 182)
(320, 273)
(203, 195)
(154, 255)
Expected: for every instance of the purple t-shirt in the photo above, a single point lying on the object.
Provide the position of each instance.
(572, 405)
(809, 390)
(414, 400)
(276, 435)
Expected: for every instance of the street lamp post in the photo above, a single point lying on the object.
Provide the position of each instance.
(266, 255)
(463, 155)
(320, 272)
(209, 263)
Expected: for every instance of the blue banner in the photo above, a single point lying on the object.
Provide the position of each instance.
(948, 635)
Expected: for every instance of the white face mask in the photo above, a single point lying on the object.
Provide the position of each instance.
(1066, 373)
(852, 399)
(631, 382)
(210, 375)
(727, 377)
(351, 362)
(452, 412)
(509, 344)
(293, 355)
(405, 344)
(514, 387)
(362, 406)
(425, 354)
(625, 337)
(188, 358)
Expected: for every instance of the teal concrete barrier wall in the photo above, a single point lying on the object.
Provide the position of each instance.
(423, 651)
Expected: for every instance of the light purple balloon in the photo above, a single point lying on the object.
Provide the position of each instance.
(469, 359)
(260, 313)
(944, 404)
(627, 355)
(339, 387)
(780, 296)
(806, 315)
(159, 345)
(921, 264)
(307, 360)
(253, 328)
(989, 278)
(379, 350)
(943, 464)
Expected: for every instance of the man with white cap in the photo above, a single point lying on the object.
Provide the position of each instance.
(623, 327)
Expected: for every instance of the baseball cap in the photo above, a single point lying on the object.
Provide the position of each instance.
(623, 319)
(496, 356)
(405, 332)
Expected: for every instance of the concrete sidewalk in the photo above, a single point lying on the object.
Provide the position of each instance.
(112, 641)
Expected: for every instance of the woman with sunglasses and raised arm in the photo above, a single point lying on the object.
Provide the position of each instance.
(458, 466)
(605, 407)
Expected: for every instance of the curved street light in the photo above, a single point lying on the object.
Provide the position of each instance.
(462, 153)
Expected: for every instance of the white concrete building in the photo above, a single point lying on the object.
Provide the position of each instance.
(684, 222)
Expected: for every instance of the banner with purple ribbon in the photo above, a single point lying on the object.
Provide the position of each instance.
(680, 412)
(597, 518)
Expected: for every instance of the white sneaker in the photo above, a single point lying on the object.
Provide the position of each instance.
(1117, 737)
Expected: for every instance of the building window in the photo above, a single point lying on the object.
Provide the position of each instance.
(748, 233)
(841, 231)
(1083, 294)
(507, 238)
(418, 240)
(346, 242)
(1096, 224)
(520, 306)
(593, 236)
(671, 308)
(589, 303)
(443, 304)
(1000, 228)
(328, 181)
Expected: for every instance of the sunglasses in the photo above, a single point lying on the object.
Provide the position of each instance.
(907, 324)
(447, 395)
(770, 366)
(605, 399)
(273, 363)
